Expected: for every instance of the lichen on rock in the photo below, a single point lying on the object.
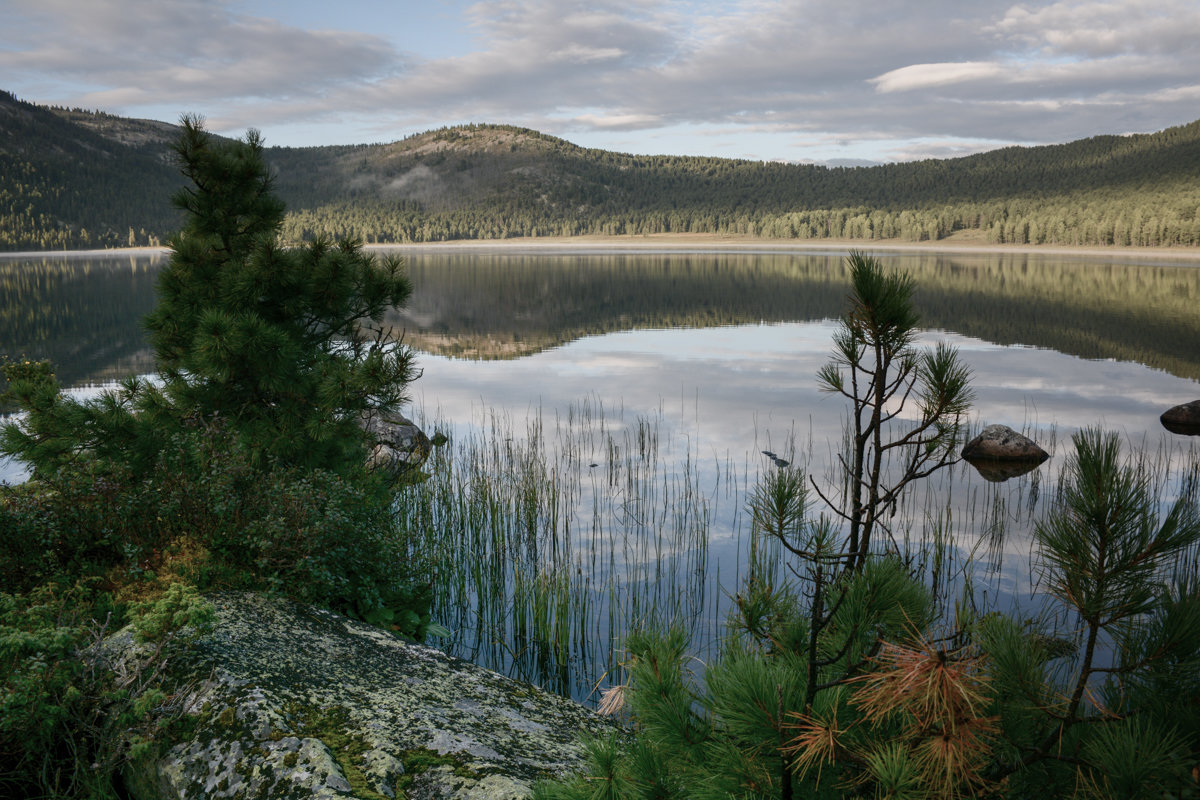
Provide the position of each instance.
(297, 702)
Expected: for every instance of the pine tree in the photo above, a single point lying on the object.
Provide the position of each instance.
(877, 368)
(283, 347)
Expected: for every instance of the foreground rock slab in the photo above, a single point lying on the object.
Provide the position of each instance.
(296, 702)
(999, 453)
(1183, 419)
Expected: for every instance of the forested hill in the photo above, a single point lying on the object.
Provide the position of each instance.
(71, 178)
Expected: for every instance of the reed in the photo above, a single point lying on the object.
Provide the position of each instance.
(552, 538)
(550, 541)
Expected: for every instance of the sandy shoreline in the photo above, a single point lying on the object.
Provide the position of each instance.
(699, 243)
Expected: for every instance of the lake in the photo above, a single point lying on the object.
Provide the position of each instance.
(651, 382)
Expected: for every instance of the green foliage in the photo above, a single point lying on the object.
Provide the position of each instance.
(179, 609)
(1104, 546)
(245, 468)
(208, 514)
(497, 182)
(1107, 190)
(71, 710)
(875, 366)
(1135, 758)
(837, 685)
(732, 734)
(835, 682)
(283, 346)
(64, 184)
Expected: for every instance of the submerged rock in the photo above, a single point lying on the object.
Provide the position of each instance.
(290, 701)
(999, 453)
(1183, 419)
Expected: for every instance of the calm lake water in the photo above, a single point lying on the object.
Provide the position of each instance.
(718, 353)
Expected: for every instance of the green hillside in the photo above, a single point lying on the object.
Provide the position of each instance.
(71, 178)
(82, 180)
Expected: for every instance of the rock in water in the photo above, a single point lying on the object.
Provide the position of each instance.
(400, 444)
(1184, 419)
(292, 701)
(999, 453)
(1002, 443)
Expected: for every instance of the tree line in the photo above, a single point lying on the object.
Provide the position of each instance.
(78, 179)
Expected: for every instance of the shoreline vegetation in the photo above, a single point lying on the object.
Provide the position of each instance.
(954, 244)
(72, 179)
(252, 467)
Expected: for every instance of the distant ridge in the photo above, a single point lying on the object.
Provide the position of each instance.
(71, 178)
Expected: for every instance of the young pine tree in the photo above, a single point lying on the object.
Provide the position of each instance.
(876, 366)
(282, 346)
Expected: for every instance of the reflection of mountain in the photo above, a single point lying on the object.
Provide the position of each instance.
(83, 314)
(495, 306)
(480, 306)
(1091, 309)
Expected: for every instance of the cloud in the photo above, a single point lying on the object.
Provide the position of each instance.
(924, 76)
(758, 71)
(190, 50)
(624, 122)
(1104, 28)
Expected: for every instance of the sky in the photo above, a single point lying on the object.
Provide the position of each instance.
(825, 81)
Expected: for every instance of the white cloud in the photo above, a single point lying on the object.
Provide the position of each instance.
(1103, 28)
(193, 50)
(858, 71)
(617, 121)
(583, 54)
(924, 76)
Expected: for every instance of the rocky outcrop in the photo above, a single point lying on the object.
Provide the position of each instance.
(1183, 419)
(290, 701)
(400, 444)
(999, 453)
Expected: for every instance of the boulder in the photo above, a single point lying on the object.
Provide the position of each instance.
(1002, 443)
(999, 453)
(400, 444)
(291, 701)
(1183, 419)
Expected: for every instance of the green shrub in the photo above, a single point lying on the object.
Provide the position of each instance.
(69, 717)
(312, 535)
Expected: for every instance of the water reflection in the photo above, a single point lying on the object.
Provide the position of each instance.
(721, 397)
(720, 351)
(84, 313)
(500, 306)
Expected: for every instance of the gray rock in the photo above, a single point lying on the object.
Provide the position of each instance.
(999, 471)
(1002, 443)
(289, 701)
(400, 444)
(1183, 419)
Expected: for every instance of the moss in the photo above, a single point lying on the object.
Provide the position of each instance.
(420, 760)
(290, 759)
(227, 719)
(328, 725)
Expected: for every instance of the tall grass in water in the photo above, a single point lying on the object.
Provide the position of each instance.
(553, 538)
(550, 541)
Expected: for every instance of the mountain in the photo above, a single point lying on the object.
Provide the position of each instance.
(72, 178)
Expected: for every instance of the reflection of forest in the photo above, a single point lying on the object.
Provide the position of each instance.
(82, 314)
(496, 306)
(85, 314)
